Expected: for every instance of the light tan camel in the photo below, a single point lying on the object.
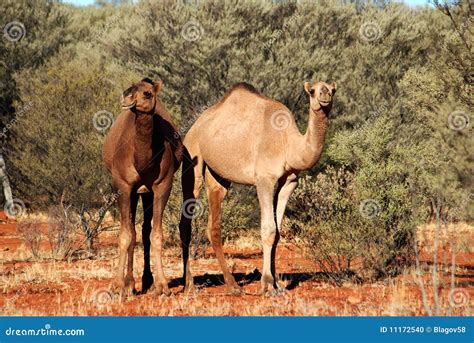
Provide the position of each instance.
(250, 139)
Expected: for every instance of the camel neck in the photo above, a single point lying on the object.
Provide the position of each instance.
(306, 151)
(143, 126)
(143, 140)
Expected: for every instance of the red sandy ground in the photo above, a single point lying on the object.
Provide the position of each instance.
(80, 287)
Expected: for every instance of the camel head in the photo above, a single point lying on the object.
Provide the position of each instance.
(321, 95)
(141, 96)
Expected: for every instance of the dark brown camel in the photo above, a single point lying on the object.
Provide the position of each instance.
(142, 151)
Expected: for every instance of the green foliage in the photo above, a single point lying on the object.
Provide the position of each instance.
(400, 133)
(59, 149)
(32, 33)
(369, 216)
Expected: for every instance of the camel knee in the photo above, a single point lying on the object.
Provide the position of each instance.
(127, 238)
(214, 234)
(146, 227)
(157, 239)
(268, 234)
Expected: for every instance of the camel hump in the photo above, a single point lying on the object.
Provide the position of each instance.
(239, 86)
(244, 85)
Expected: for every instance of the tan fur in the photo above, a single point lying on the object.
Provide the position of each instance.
(250, 139)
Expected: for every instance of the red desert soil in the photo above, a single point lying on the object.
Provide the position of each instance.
(81, 287)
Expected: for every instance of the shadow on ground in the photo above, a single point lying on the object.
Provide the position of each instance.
(214, 280)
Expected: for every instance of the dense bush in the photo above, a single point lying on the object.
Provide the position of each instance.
(400, 136)
(367, 216)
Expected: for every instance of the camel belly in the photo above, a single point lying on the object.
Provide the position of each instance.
(230, 154)
(244, 175)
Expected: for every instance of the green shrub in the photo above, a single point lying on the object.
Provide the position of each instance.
(58, 141)
(362, 221)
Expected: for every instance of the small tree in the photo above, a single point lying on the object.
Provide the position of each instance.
(59, 141)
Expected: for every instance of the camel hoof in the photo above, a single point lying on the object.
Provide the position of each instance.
(147, 282)
(273, 292)
(121, 291)
(117, 287)
(235, 289)
(268, 286)
(189, 289)
(161, 289)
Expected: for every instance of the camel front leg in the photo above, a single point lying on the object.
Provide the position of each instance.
(285, 188)
(129, 279)
(127, 205)
(161, 194)
(265, 192)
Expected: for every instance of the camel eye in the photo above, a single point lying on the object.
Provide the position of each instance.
(147, 94)
(311, 92)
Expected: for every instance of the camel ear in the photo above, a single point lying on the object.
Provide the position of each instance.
(307, 87)
(158, 85)
(129, 98)
(334, 87)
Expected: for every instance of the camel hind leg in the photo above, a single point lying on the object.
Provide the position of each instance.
(147, 277)
(191, 179)
(216, 189)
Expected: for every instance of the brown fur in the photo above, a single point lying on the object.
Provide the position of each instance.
(142, 151)
(239, 140)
